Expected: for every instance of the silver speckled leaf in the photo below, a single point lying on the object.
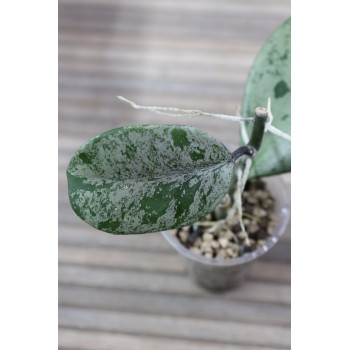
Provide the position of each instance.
(270, 77)
(148, 178)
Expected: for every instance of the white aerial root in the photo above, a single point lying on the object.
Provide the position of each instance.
(244, 133)
(278, 132)
(178, 112)
(269, 113)
(270, 127)
(183, 112)
(237, 207)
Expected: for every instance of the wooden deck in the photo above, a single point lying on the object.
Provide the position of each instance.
(133, 292)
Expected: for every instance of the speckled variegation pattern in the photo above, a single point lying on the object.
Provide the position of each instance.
(270, 77)
(140, 179)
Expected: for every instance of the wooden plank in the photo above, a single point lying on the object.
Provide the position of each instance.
(172, 24)
(93, 340)
(156, 41)
(149, 261)
(89, 237)
(122, 259)
(151, 98)
(176, 327)
(166, 283)
(69, 104)
(127, 86)
(190, 74)
(193, 6)
(155, 97)
(112, 56)
(207, 6)
(211, 307)
(263, 270)
(280, 252)
(228, 30)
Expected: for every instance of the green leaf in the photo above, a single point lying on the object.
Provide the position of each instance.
(270, 77)
(139, 179)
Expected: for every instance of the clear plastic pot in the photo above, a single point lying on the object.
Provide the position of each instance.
(219, 274)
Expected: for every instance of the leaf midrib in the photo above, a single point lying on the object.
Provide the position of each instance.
(142, 177)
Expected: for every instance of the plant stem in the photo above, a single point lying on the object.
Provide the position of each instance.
(244, 150)
(258, 128)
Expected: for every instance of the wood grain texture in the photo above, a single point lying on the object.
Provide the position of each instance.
(134, 293)
(174, 327)
(92, 340)
(170, 262)
(166, 283)
(200, 306)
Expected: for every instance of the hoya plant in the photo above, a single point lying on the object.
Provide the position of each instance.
(149, 178)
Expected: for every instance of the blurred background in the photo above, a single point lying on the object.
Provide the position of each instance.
(133, 292)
